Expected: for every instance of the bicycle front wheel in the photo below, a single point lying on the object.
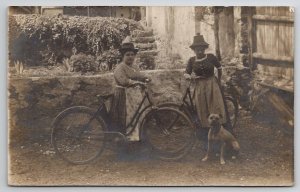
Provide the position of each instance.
(168, 132)
(78, 136)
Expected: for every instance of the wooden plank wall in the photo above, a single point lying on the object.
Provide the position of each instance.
(274, 50)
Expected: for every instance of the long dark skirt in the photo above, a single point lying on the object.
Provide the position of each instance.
(209, 99)
(124, 105)
(118, 110)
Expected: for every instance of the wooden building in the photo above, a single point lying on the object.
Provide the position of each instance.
(272, 45)
(272, 56)
(130, 12)
(24, 10)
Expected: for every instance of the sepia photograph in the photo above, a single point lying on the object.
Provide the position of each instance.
(150, 95)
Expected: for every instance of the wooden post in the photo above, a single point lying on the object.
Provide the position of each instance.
(37, 10)
(131, 13)
(149, 16)
(216, 32)
(251, 37)
(197, 22)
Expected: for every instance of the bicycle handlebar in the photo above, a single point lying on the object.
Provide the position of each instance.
(192, 78)
(140, 84)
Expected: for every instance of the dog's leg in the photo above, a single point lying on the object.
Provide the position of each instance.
(222, 161)
(235, 145)
(209, 148)
(236, 149)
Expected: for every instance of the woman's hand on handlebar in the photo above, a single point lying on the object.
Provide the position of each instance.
(142, 85)
(187, 76)
(190, 76)
(138, 84)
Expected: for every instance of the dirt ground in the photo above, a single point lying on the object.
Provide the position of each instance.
(266, 158)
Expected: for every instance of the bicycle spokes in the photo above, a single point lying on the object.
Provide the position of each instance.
(168, 131)
(78, 137)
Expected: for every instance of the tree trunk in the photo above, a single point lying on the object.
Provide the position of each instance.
(216, 33)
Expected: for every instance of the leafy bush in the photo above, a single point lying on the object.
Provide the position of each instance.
(83, 63)
(46, 40)
(87, 63)
(108, 59)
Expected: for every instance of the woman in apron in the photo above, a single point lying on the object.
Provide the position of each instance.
(126, 77)
(208, 97)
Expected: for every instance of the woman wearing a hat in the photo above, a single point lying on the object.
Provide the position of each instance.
(125, 76)
(208, 96)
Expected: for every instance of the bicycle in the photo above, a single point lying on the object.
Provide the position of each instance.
(80, 134)
(188, 107)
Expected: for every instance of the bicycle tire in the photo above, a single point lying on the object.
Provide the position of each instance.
(233, 113)
(161, 137)
(177, 106)
(57, 135)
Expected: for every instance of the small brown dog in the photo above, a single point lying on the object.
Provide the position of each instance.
(218, 133)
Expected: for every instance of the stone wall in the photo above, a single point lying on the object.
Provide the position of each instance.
(34, 102)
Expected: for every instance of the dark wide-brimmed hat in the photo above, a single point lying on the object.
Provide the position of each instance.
(199, 41)
(127, 45)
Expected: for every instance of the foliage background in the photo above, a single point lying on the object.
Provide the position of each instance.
(40, 40)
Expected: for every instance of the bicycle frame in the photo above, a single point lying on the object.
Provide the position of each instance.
(134, 120)
(189, 105)
(188, 95)
(136, 117)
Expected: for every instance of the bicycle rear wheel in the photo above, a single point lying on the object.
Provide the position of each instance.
(168, 132)
(233, 111)
(77, 137)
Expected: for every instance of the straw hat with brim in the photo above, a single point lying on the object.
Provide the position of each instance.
(125, 47)
(199, 41)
